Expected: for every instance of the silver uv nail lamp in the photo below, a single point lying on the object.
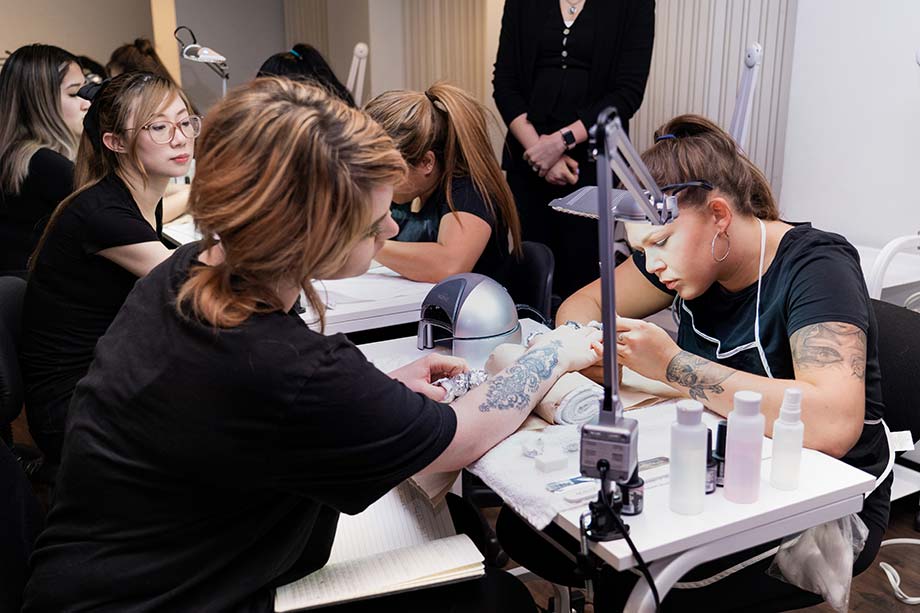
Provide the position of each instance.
(471, 311)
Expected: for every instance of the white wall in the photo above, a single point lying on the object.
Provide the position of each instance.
(387, 65)
(851, 155)
(349, 23)
(90, 27)
(247, 33)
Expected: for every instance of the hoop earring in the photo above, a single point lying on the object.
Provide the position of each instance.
(713, 247)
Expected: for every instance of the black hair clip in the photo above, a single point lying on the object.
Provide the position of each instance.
(665, 137)
(91, 120)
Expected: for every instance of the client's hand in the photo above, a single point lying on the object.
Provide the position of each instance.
(644, 347)
(418, 375)
(576, 349)
(595, 372)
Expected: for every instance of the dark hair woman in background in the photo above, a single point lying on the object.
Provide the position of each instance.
(139, 56)
(559, 64)
(41, 119)
(305, 62)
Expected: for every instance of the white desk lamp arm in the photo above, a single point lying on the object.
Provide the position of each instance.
(355, 81)
(744, 101)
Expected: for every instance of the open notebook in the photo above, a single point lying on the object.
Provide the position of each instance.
(397, 544)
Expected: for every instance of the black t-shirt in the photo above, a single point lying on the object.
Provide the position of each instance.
(73, 293)
(815, 277)
(23, 216)
(204, 467)
(422, 227)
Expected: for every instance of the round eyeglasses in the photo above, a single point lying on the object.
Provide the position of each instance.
(162, 132)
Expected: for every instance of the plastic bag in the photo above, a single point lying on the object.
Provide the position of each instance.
(820, 560)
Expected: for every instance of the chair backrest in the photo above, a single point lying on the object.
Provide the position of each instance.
(876, 278)
(530, 280)
(899, 361)
(12, 291)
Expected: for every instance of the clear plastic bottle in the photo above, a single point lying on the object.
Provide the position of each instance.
(688, 459)
(788, 433)
(744, 449)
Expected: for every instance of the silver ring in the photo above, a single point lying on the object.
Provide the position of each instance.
(620, 337)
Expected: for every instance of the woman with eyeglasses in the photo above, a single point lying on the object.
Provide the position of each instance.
(138, 134)
(763, 305)
(41, 119)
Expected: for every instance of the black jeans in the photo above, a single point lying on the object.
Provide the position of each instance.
(46, 425)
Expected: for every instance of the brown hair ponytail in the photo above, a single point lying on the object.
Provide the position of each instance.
(451, 123)
(692, 147)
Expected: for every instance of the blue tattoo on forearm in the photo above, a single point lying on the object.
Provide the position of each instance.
(513, 390)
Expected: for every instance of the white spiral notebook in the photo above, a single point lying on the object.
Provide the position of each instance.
(397, 544)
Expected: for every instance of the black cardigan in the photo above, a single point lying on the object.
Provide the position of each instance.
(619, 68)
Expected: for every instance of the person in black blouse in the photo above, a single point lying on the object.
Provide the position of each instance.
(559, 64)
(454, 210)
(41, 118)
(138, 134)
(217, 438)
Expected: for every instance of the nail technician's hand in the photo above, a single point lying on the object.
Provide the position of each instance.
(418, 375)
(644, 347)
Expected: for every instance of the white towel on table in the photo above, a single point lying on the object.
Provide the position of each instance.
(514, 477)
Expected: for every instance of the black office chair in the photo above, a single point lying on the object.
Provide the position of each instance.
(899, 361)
(12, 291)
(530, 279)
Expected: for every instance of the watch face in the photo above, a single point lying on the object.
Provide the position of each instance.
(568, 138)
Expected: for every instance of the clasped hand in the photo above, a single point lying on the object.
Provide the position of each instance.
(544, 154)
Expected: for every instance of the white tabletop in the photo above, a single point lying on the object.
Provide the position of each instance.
(659, 532)
(376, 299)
(671, 543)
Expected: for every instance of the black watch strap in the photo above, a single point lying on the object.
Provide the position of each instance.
(568, 138)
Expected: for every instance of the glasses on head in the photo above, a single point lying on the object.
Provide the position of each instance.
(162, 131)
(676, 188)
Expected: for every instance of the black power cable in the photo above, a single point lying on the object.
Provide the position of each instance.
(643, 567)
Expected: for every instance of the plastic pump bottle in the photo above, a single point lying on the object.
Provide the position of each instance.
(688, 459)
(744, 449)
(788, 432)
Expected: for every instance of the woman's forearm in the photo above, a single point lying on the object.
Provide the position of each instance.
(829, 426)
(427, 262)
(524, 131)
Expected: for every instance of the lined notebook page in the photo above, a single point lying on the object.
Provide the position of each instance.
(451, 559)
(401, 518)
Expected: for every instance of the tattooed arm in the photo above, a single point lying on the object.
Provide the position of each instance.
(495, 409)
(830, 369)
(830, 365)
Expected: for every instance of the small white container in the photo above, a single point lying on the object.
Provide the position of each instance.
(687, 482)
(744, 449)
(788, 433)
